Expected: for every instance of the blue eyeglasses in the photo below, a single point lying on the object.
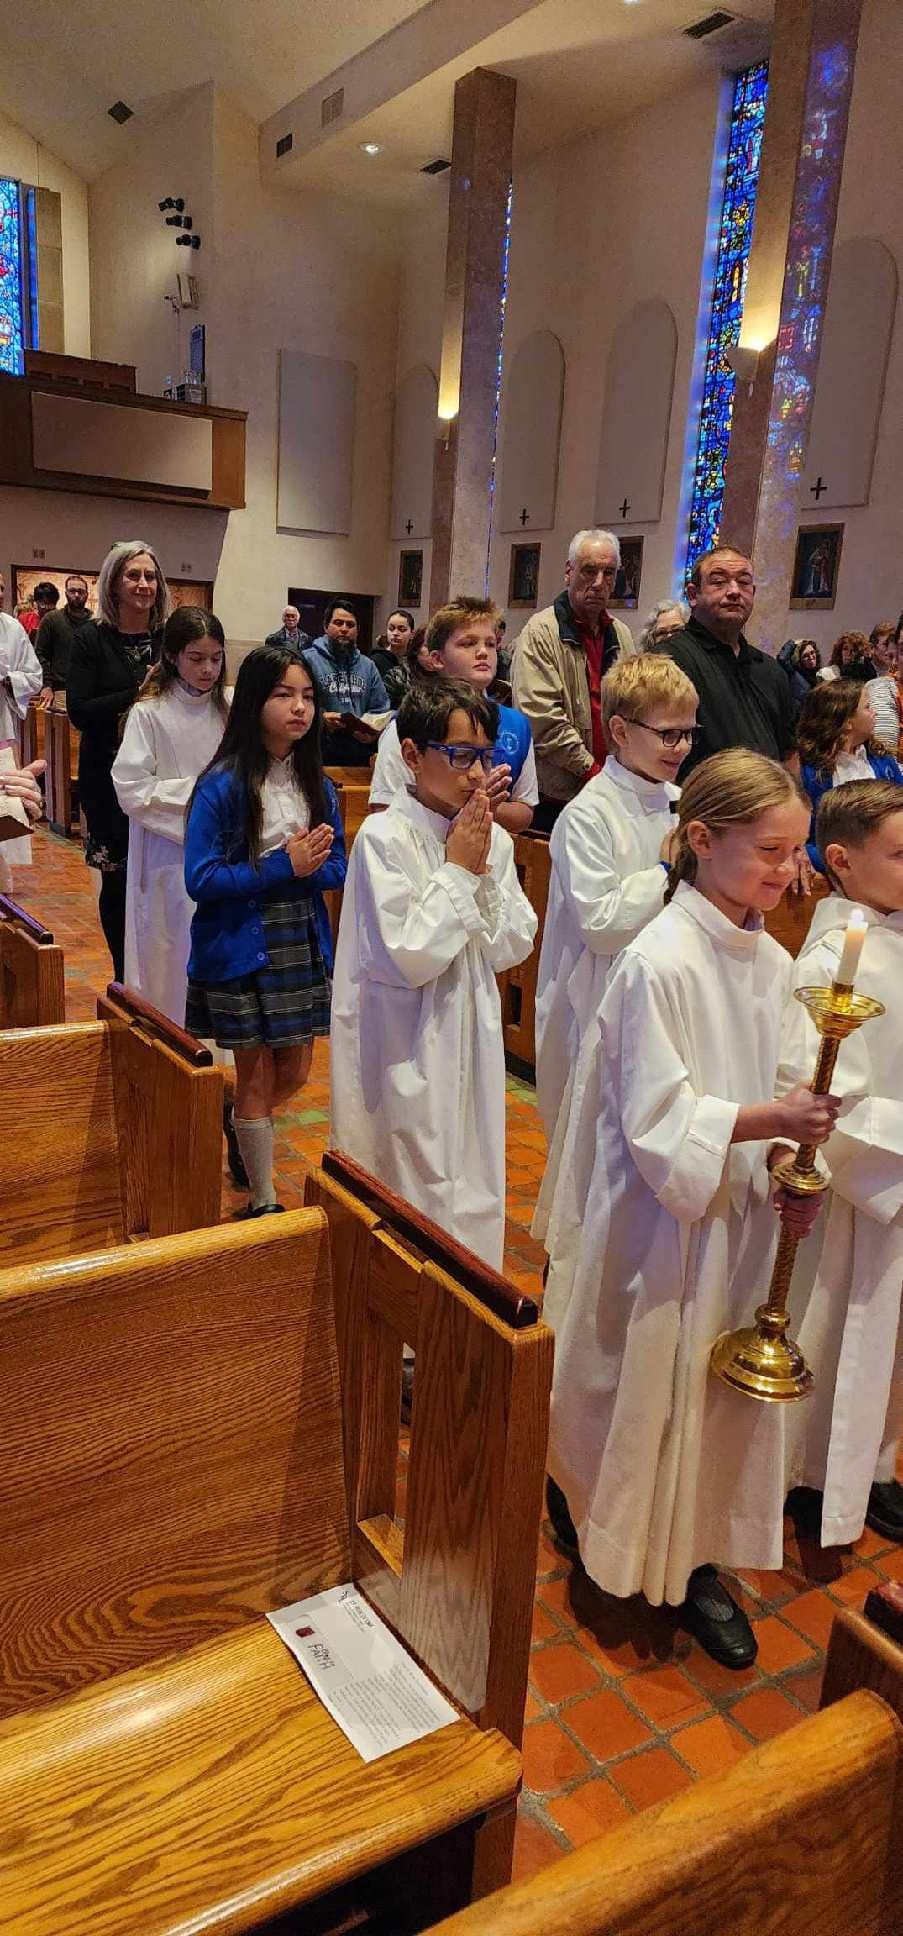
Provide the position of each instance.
(460, 756)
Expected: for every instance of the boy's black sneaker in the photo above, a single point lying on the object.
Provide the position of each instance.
(885, 1513)
(562, 1524)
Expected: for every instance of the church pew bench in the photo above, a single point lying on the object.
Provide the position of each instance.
(32, 735)
(398, 1278)
(352, 784)
(802, 1837)
(518, 985)
(32, 975)
(61, 744)
(118, 1132)
(177, 1407)
(790, 921)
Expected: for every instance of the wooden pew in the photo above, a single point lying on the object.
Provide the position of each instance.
(398, 1278)
(803, 1837)
(352, 784)
(32, 735)
(790, 921)
(118, 1132)
(61, 783)
(32, 979)
(518, 986)
(176, 1407)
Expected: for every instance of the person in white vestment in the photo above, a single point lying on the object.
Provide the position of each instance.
(432, 912)
(19, 668)
(844, 1441)
(21, 801)
(171, 734)
(664, 1469)
(461, 642)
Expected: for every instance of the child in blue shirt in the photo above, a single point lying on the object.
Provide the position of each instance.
(836, 741)
(263, 843)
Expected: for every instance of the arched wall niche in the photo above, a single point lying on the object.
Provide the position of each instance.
(413, 449)
(528, 474)
(636, 421)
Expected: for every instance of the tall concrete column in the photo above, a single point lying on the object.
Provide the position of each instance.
(811, 70)
(482, 150)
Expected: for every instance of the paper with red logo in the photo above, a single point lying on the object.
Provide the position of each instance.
(374, 1691)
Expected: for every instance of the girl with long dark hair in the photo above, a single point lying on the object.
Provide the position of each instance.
(836, 740)
(263, 843)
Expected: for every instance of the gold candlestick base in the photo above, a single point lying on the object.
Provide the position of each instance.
(761, 1360)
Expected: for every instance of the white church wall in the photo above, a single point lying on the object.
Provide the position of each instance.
(26, 160)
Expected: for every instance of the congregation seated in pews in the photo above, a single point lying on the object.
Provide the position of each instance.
(180, 1406)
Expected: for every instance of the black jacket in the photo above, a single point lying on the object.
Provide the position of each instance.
(54, 641)
(106, 671)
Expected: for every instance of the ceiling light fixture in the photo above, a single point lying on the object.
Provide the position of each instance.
(371, 148)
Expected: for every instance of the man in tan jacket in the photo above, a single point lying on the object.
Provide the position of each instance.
(558, 664)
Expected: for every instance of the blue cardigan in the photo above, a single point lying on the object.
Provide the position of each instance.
(227, 936)
(817, 780)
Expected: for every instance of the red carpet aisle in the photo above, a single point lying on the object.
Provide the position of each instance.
(623, 1709)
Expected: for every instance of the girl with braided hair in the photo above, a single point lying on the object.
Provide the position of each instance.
(662, 1468)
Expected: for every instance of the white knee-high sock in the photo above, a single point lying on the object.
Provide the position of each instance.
(255, 1140)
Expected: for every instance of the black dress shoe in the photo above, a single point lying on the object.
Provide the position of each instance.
(407, 1390)
(716, 1621)
(260, 1210)
(562, 1524)
(885, 1513)
(234, 1156)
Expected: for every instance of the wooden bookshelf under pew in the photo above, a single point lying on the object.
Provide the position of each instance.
(32, 976)
(178, 1407)
(518, 985)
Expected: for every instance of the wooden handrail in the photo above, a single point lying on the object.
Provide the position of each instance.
(152, 1022)
(483, 1283)
(18, 918)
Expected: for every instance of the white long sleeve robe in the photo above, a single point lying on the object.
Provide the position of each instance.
(166, 743)
(19, 664)
(665, 1468)
(849, 1274)
(416, 1056)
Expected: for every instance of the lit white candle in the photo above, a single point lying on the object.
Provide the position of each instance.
(857, 929)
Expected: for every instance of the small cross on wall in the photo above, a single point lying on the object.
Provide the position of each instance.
(818, 487)
(525, 516)
(409, 527)
(625, 507)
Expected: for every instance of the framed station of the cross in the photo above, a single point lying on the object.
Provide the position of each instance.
(523, 576)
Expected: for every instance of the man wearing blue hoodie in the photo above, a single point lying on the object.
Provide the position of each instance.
(347, 682)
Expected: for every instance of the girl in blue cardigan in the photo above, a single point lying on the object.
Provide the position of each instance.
(835, 737)
(263, 842)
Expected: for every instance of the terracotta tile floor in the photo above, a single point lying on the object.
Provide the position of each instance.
(624, 1708)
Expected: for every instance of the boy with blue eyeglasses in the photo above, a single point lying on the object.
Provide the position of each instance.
(432, 912)
(461, 643)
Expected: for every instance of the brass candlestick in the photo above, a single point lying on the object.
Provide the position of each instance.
(762, 1360)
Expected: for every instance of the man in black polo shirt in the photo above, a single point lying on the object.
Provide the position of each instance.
(744, 695)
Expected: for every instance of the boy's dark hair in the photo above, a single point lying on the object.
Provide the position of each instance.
(426, 710)
(825, 713)
(242, 752)
(338, 605)
(850, 813)
(46, 591)
(457, 613)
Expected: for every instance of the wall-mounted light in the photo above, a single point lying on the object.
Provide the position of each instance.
(744, 362)
(446, 419)
(371, 148)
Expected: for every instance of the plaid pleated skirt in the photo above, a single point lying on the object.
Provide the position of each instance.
(278, 1007)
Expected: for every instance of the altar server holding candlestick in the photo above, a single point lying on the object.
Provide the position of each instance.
(843, 1442)
(666, 1471)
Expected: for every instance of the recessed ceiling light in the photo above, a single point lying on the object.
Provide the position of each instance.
(371, 148)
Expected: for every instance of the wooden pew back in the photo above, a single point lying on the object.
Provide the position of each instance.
(518, 986)
(32, 979)
(61, 1188)
(457, 1581)
(61, 753)
(169, 1110)
(803, 1837)
(171, 1455)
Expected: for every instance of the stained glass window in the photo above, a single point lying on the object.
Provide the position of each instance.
(12, 329)
(741, 180)
(497, 402)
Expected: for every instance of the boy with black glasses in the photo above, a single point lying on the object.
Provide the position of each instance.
(432, 912)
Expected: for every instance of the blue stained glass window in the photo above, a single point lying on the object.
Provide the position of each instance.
(12, 331)
(741, 181)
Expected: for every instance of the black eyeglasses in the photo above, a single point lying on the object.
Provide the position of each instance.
(460, 756)
(671, 736)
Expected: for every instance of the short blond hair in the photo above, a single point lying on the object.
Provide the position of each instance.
(730, 789)
(634, 686)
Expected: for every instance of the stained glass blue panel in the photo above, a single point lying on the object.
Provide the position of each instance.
(12, 335)
(744, 153)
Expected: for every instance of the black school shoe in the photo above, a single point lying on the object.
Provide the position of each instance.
(260, 1210)
(716, 1621)
(885, 1513)
(234, 1156)
(562, 1524)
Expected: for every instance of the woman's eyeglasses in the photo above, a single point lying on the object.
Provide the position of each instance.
(671, 736)
(461, 757)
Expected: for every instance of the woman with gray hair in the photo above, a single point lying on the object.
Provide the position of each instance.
(669, 615)
(109, 663)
